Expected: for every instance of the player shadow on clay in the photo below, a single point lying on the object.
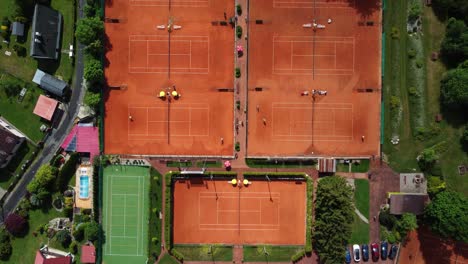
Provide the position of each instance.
(365, 8)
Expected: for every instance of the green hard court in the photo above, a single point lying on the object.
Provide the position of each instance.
(125, 214)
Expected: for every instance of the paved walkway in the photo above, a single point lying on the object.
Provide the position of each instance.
(241, 89)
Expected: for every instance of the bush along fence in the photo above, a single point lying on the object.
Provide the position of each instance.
(97, 204)
(276, 176)
(154, 228)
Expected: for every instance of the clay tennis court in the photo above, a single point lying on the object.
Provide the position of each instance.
(287, 58)
(195, 60)
(217, 212)
(424, 247)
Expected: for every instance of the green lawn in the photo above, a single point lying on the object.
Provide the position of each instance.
(167, 259)
(183, 164)
(402, 157)
(360, 231)
(24, 67)
(24, 249)
(362, 166)
(210, 164)
(275, 253)
(205, 252)
(361, 196)
(14, 167)
(154, 227)
(20, 114)
(264, 163)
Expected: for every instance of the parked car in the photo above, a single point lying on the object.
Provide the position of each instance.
(384, 249)
(365, 252)
(347, 256)
(375, 251)
(356, 253)
(393, 252)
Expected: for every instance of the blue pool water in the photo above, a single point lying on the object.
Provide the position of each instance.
(84, 186)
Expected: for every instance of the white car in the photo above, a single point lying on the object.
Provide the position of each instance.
(356, 253)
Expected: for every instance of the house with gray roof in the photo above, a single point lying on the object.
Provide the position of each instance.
(17, 29)
(45, 33)
(49, 83)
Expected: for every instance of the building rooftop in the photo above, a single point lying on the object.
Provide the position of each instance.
(88, 254)
(8, 142)
(45, 107)
(50, 83)
(408, 203)
(17, 29)
(45, 33)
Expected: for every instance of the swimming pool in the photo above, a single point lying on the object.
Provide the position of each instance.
(84, 186)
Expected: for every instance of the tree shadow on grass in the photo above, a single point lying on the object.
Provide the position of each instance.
(365, 8)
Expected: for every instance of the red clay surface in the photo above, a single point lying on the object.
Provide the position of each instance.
(201, 60)
(263, 213)
(286, 59)
(423, 247)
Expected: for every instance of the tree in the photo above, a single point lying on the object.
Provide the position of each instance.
(93, 72)
(89, 29)
(12, 88)
(447, 215)
(333, 217)
(95, 48)
(41, 185)
(5, 250)
(91, 231)
(454, 47)
(464, 137)
(78, 234)
(427, 159)
(63, 237)
(454, 88)
(15, 224)
(92, 99)
(67, 171)
(388, 220)
(408, 222)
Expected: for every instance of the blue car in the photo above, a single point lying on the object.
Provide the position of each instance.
(365, 252)
(347, 256)
(384, 250)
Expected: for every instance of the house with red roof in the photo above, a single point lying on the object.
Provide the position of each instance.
(45, 107)
(48, 255)
(88, 254)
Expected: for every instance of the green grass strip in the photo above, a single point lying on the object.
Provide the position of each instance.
(154, 227)
(205, 252)
(273, 253)
(361, 196)
(360, 231)
(167, 259)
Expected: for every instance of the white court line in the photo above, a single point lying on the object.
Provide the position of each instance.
(132, 237)
(242, 211)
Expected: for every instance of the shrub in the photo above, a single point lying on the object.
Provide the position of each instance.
(419, 63)
(239, 9)
(154, 240)
(239, 31)
(16, 224)
(237, 146)
(238, 105)
(414, 11)
(177, 255)
(395, 33)
(67, 171)
(73, 247)
(91, 231)
(237, 72)
(299, 255)
(5, 250)
(64, 238)
(427, 159)
(387, 220)
(20, 50)
(413, 92)
(78, 234)
(411, 53)
(394, 102)
(435, 185)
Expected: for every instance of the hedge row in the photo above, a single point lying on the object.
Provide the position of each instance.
(298, 256)
(176, 254)
(310, 191)
(67, 171)
(154, 229)
(168, 211)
